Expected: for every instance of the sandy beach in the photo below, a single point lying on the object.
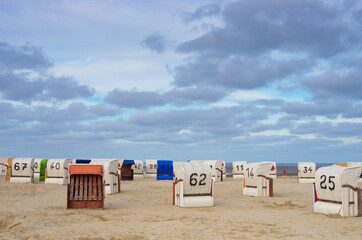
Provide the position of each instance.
(144, 210)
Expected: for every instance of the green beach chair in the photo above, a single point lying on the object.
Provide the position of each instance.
(43, 167)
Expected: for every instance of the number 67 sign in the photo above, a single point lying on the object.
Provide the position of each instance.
(22, 170)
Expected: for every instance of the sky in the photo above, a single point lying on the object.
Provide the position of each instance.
(274, 80)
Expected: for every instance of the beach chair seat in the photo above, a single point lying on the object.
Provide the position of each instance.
(126, 169)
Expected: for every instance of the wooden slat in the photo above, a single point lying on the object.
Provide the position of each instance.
(97, 189)
(71, 188)
(271, 191)
(90, 187)
(80, 187)
(94, 187)
(84, 188)
(76, 185)
(87, 188)
(100, 187)
(119, 183)
(173, 194)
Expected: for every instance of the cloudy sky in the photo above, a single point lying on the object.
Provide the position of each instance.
(274, 80)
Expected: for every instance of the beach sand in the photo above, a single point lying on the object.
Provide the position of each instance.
(144, 210)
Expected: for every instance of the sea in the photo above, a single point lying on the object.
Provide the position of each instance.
(289, 168)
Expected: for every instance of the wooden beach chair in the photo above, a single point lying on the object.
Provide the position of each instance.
(86, 187)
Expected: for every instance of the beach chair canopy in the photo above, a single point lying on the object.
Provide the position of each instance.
(164, 170)
(254, 170)
(329, 181)
(83, 161)
(195, 176)
(151, 166)
(216, 168)
(22, 167)
(306, 169)
(128, 162)
(238, 167)
(138, 167)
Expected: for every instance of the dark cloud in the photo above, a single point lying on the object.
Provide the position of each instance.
(23, 57)
(215, 125)
(184, 96)
(258, 27)
(75, 112)
(62, 88)
(277, 43)
(237, 73)
(330, 130)
(20, 87)
(103, 110)
(334, 85)
(189, 125)
(155, 42)
(179, 97)
(24, 77)
(201, 12)
(269, 102)
(135, 99)
(328, 109)
(355, 111)
(206, 131)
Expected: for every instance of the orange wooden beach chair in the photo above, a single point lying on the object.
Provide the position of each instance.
(86, 187)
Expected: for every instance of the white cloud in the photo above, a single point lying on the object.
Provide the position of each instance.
(350, 140)
(184, 131)
(283, 132)
(248, 95)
